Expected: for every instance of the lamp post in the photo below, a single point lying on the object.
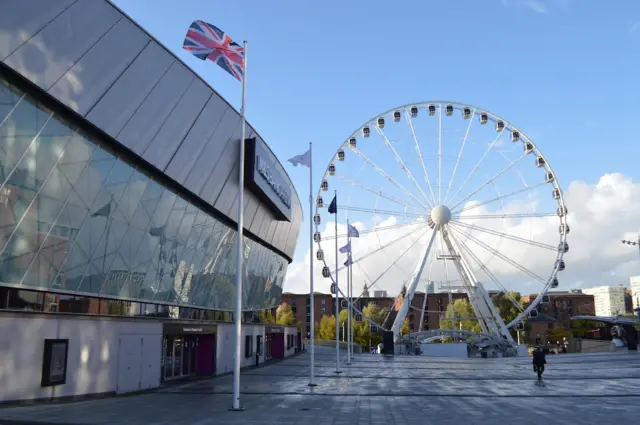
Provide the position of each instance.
(634, 243)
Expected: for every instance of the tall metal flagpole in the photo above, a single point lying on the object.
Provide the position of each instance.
(348, 298)
(240, 246)
(337, 289)
(312, 335)
(351, 296)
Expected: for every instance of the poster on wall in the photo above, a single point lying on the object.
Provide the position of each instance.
(54, 362)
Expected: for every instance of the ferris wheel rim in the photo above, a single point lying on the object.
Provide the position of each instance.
(508, 125)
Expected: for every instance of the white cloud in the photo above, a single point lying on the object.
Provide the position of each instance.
(600, 215)
(533, 5)
(536, 6)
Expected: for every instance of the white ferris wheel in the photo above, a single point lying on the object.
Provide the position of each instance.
(448, 193)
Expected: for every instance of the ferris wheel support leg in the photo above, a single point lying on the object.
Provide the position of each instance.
(415, 278)
(495, 322)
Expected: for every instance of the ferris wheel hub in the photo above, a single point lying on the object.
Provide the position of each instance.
(440, 214)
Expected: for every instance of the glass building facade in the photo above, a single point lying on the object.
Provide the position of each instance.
(76, 218)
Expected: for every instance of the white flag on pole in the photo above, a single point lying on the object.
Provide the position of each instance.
(346, 248)
(302, 159)
(352, 232)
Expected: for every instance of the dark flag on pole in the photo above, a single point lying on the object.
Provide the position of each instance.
(333, 207)
(103, 212)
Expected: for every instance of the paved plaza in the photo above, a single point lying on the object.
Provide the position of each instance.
(580, 389)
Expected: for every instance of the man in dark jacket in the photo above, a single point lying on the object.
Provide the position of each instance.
(539, 360)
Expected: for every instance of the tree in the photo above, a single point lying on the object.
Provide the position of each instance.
(507, 309)
(557, 334)
(505, 306)
(461, 308)
(266, 316)
(284, 315)
(362, 330)
(405, 327)
(327, 328)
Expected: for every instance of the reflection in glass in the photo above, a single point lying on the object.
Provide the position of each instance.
(75, 217)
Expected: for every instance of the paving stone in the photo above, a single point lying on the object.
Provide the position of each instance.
(580, 389)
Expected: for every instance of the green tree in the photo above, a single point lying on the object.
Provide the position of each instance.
(505, 306)
(557, 334)
(507, 309)
(463, 310)
(362, 330)
(327, 328)
(284, 315)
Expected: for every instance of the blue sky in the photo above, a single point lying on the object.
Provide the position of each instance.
(565, 71)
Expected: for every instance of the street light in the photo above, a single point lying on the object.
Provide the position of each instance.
(634, 243)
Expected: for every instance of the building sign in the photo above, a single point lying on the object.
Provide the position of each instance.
(273, 330)
(265, 178)
(182, 329)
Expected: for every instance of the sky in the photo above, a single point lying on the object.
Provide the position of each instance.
(565, 72)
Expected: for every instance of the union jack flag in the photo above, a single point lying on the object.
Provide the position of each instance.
(206, 41)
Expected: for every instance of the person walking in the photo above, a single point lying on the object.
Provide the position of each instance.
(539, 360)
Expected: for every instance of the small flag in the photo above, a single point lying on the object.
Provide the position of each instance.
(333, 207)
(348, 262)
(346, 248)
(302, 159)
(352, 232)
(206, 41)
(103, 212)
(156, 231)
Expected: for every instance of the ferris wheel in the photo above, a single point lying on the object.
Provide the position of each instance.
(444, 192)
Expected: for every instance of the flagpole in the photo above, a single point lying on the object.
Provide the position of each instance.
(348, 298)
(240, 245)
(350, 270)
(337, 288)
(312, 335)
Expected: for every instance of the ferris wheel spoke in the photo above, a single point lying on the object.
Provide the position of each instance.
(499, 254)
(478, 164)
(378, 192)
(504, 235)
(494, 216)
(455, 167)
(419, 153)
(376, 229)
(500, 197)
(388, 177)
(491, 180)
(381, 211)
(394, 263)
(370, 253)
(488, 272)
(402, 164)
(439, 153)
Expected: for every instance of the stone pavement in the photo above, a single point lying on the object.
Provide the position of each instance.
(580, 389)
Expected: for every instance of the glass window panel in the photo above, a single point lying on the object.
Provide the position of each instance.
(9, 97)
(148, 203)
(17, 133)
(91, 181)
(130, 201)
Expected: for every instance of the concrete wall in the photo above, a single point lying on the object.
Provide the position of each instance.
(458, 350)
(104, 355)
(99, 63)
(290, 331)
(225, 348)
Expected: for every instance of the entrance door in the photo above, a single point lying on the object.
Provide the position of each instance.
(178, 345)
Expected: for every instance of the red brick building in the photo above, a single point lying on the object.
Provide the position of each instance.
(325, 305)
(558, 311)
